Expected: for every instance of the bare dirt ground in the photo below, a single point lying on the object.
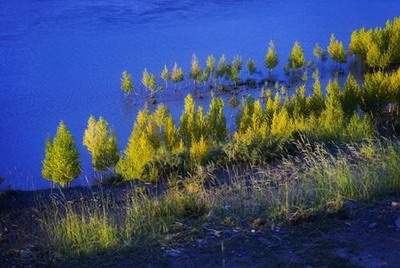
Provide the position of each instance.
(361, 235)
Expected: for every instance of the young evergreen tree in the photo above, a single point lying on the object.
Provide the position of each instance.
(101, 142)
(376, 92)
(216, 122)
(235, 69)
(375, 59)
(251, 67)
(316, 101)
(296, 58)
(165, 75)
(210, 67)
(351, 97)
(126, 82)
(177, 74)
(332, 119)
(141, 148)
(336, 50)
(188, 126)
(61, 163)
(222, 68)
(271, 58)
(281, 124)
(149, 81)
(319, 52)
(195, 73)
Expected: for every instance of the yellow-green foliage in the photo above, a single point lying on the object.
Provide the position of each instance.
(377, 92)
(199, 150)
(165, 75)
(251, 66)
(296, 58)
(282, 124)
(77, 234)
(216, 122)
(271, 58)
(177, 74)
(148, 218)
(126, 82)
(210, 65)
(222, 68)
(336, 50)
(319, 52)
(149, 81)
(194, 123)
(156, 139)
(351, 96)
(101, 142)
(195, 73)
(316, 101)
(378, 47)
(151, 135)
(61, 163)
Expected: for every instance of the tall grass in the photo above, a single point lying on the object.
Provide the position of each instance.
(318, 180)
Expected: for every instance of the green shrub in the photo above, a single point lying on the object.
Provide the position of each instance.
(61, 163)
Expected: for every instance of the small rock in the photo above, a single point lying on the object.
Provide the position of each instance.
(372, 225)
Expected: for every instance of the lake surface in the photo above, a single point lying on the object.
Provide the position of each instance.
(62, 59)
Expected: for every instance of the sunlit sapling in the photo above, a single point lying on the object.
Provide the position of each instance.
(282, 124)
(377, 59)
(332, 118)
(296, 58)
(351, 96)
(187, 127)
(235, 69)
(61, 163)
(336, 50)
(319, 52)
(251, 67)
(149, 82)
(126, 82)
(376, 93)
(210, 67)
(177, 74)
(151, 136)
(243, 120)
(222, 68)
(316, 101)
(216, 122)
(165, 75)
(300, 103)
(101, 142)
(195, 72)
(271, 58)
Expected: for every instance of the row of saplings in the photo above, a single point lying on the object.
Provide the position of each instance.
(157, 147)
(378, 48)
(214, 72)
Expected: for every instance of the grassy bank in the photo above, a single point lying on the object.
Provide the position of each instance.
(317, 181)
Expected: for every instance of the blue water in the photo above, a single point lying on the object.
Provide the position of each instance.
(62, 59)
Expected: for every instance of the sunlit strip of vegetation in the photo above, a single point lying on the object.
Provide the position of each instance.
(315, 182)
